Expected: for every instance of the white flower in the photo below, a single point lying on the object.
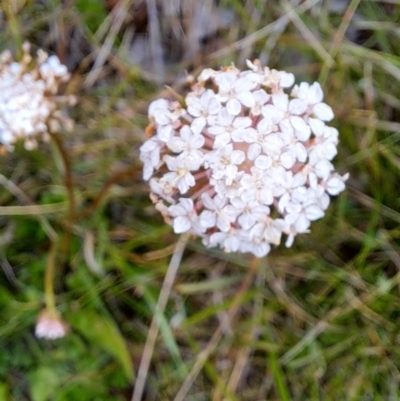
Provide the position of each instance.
(52, 66)
(320, 195)
(158, 109)
(28, 105)
(335, 183)
(249, 212)
(224, 162)
(187, 143)
(206, 74)
(163, 188)
(51, 71)
(204, 109)
(180, 168)
(150, 156)
(228, 127)
(300, 216)
(230, 190)
(236, 91)
(258, 186)
(286, 183)
(269, 230)
(184, 215)
(50, 326)
(257, 101)
(313, 95)
(243, 164)
(287, 113)
(286, 79)
(165, 119)
(229, 241)
(258, 249)
(217, 213)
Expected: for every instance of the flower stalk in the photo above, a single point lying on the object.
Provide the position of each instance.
(69, 187)
(49, 279)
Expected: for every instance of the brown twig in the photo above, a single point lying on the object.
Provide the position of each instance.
(69, 185)
(114, 179)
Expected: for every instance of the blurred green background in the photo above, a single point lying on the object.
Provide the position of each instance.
(318, 321)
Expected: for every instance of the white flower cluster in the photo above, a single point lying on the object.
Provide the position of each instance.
(28, 101)
(242, 162)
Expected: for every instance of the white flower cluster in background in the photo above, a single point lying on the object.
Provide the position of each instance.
(242, 162)
(28, 98)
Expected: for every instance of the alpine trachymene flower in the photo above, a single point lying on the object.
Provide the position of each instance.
(28, 101)
(242, 162)
(50, 326)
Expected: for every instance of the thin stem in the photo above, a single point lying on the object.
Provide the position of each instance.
(49, 279)
(117, 177)
(69, 185)
(338, 38)
(159, 311)
(18, 193)
(68, 180)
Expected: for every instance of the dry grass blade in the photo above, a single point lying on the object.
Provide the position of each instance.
(212, 344)
(155, 41)
(31, 209)
(263, 32)
(160, 308)
(307, 34)
(242, 362)
(89, 255)
(120, 12)
(339, 36)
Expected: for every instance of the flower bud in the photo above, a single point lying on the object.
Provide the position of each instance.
(50, 326)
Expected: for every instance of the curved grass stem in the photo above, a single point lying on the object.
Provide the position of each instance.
(155, 323)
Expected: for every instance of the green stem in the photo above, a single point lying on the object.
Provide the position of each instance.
(69, 186)
(49, 279)
(279, 377)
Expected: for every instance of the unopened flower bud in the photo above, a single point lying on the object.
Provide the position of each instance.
(50, 326)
